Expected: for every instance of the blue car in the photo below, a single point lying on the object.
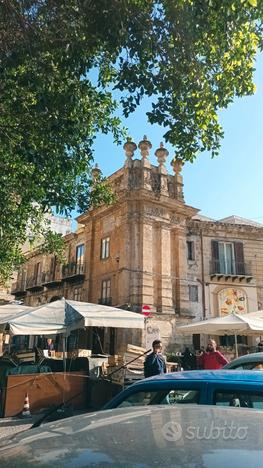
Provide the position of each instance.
(220, 388)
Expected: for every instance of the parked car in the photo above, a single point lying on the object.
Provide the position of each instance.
(221, 388)
(165, 436)
(252, 361)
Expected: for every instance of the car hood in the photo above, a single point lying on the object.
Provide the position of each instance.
(142, 436)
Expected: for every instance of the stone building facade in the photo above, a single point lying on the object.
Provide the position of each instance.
(151, 248)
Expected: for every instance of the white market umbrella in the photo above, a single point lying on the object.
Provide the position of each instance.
(64, 315)
(232, 324)
(11, 311)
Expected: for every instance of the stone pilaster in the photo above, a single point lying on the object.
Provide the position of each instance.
(166, 294)
(147, 263)
(180, 271)
(135, 247)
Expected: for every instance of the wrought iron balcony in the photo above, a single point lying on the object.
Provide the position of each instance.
(105, 301)
(34, 283)
(234, 269)
(51, 278)
(73, 271)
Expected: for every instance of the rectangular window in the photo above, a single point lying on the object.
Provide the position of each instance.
(77, 294)
(80, 254)
(193, 293)
(190, 250)
(106, 292)
(105, 248)
(228, 258)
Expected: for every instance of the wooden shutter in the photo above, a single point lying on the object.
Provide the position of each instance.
(215, 267)
(239, 258)
(215, 250)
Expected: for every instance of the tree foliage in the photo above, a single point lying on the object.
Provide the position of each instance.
(61, 62)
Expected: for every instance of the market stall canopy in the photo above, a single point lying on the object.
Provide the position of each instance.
(11, 311)
(63, 316)
(245, 324)
(95, 315)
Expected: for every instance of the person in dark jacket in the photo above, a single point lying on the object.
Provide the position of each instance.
(188, 360)
(154, 363)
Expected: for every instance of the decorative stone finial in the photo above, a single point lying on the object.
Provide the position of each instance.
(96, 172)
(161, 155)
(177, 164)
(145, 145)
(129, 148)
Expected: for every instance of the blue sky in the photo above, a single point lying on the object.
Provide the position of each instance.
(219, 187)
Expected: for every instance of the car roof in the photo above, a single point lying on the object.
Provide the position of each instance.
(208, 375)
(153, 436)
(253, 357)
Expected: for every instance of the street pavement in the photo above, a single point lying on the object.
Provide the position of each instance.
(11, 426)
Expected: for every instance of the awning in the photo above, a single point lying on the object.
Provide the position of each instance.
(95, 315)
(245, 324)
(63, 316)
(11, 311)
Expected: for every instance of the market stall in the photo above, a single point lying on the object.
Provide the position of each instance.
(233, 324)
(59, 317)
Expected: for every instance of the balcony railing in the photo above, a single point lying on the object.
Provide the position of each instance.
(51, 278)
(105, 301)
(73, 271)
(230, 268)
(34, 283)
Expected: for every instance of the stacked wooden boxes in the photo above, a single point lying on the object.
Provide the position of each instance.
(79, 353)
(115, 362)
(135, 370)
(132, 371)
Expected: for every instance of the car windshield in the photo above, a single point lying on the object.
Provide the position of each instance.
(162, 397)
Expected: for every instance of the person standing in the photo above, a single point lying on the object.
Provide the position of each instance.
(211, 358)
(50, 346)
(154, 363)
(188, 360)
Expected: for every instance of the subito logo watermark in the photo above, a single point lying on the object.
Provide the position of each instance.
(173, 431)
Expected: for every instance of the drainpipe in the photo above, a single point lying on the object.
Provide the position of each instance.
(203, 275)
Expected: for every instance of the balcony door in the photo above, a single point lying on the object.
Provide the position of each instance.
(227, 258)
(79, 258)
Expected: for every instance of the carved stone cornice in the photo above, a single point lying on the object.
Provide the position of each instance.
(218, 229)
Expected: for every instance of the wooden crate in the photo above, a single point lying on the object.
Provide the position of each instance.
(135, 349)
